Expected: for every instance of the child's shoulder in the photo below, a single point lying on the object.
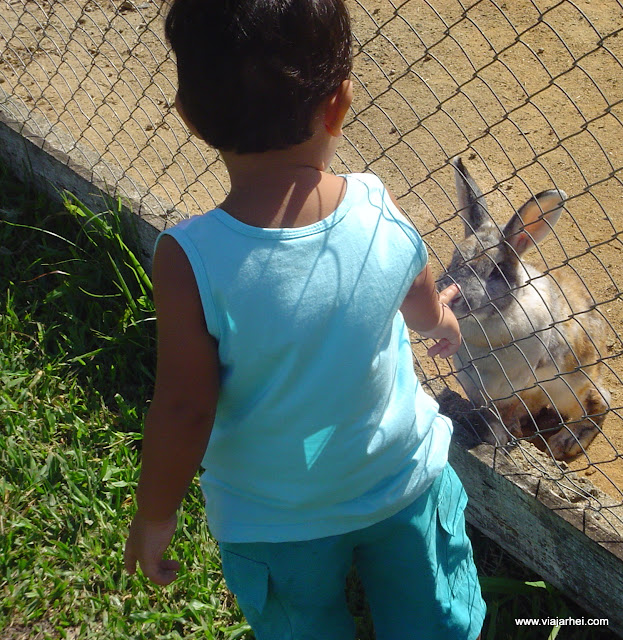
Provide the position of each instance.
(191, 224)
(376, 193)
(368, 186)
(190, 231)
(369, 179)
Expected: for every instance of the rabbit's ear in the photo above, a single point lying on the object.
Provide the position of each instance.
(534, 220)
(472, 205)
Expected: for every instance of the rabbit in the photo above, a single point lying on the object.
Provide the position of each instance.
(531, 347)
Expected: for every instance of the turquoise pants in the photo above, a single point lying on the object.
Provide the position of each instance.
(416, 567)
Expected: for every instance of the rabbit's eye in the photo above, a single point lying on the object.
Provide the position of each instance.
(497, 274)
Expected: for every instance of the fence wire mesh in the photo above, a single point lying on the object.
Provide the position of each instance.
(528, 92)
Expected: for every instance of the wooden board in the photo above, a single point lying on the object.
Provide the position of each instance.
(543, 531)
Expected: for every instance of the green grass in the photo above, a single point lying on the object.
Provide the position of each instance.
(76, 363)
(76, 374)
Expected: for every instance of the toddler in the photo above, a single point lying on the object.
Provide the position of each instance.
(284, 362)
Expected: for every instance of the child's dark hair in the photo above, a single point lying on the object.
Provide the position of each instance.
(252, 73)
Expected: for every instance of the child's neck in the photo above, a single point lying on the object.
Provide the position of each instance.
(288, 188)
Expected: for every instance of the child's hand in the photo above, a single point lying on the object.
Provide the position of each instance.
(447, 334)
(428, 313)
(146, 545)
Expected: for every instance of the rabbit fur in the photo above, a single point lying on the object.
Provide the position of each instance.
(530, 357)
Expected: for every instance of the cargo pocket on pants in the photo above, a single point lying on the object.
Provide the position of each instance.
(454, 550)
(249, 581)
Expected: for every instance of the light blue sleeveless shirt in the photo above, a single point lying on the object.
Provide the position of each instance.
(322, 426)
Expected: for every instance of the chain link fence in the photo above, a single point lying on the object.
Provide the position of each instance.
(528, 92)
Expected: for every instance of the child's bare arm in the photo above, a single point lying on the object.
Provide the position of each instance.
(426, 312)
(179, 421)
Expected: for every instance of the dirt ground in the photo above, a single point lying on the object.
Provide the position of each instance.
(529, 92)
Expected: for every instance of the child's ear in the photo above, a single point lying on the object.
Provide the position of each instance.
(337, 107)
(180, 110)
